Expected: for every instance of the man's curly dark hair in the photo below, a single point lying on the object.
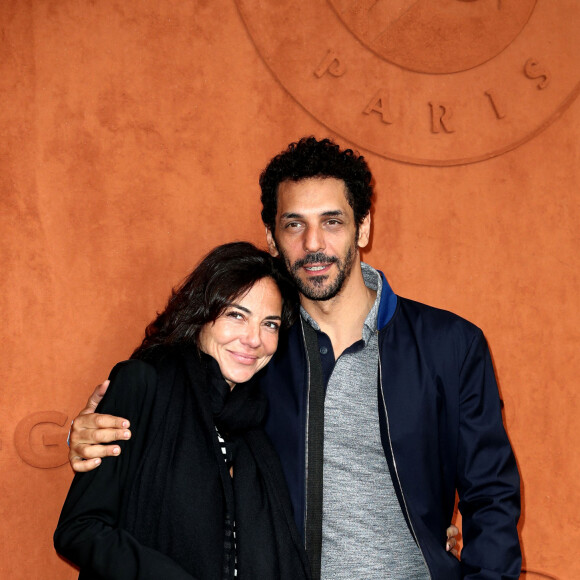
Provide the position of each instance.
(310, 157)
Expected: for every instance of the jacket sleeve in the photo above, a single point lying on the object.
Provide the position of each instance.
(488, 480)
(88, 531)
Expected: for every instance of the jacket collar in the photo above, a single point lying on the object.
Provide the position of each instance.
(388, 304)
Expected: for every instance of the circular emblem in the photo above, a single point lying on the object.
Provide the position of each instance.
(433, 83)
(465, 33)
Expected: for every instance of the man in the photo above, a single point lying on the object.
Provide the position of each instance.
(380, 407)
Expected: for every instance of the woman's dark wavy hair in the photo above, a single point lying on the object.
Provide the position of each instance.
(310, 157)
(226, 273)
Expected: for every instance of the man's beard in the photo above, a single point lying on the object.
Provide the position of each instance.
(314, 288)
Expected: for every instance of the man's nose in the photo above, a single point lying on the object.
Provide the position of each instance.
(313, 240)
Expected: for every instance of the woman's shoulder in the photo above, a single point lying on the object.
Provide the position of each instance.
(133, 383)
(148, 378)
(133, 371)
(148, 364)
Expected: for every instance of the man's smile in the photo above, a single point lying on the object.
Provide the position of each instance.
(316, 268)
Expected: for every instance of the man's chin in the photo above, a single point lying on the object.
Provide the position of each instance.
(318, 288)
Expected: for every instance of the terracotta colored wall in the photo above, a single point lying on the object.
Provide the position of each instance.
(132, 136)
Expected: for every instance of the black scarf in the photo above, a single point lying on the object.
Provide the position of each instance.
(183, 491)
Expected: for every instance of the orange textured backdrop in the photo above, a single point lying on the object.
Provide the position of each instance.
(132, 137)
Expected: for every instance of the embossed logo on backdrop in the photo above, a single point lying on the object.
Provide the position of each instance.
(433, 83)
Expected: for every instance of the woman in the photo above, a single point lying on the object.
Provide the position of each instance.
(198, 491)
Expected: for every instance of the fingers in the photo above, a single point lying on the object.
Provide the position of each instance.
(99, 428)
(81, 465)
(95, 398)
(85, 457)
(82, 440)
(94, 451)
(450, 546)
(89, 432)
(95, 437)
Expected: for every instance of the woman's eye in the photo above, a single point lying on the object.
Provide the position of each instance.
(235, 314)
(272, 325)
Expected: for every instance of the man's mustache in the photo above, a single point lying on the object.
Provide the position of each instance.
(317, 257)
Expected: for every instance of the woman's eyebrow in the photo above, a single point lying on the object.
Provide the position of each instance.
(248, 311)
(239, 307)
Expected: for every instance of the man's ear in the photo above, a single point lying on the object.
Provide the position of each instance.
(364, 231)
(271, 242)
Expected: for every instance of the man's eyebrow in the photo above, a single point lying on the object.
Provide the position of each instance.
(328, 213)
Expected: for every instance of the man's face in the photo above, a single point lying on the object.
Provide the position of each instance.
(316, 235)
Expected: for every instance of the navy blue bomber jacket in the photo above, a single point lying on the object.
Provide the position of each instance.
(441, 429)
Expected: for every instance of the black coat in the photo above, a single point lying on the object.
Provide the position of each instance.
(158, 510)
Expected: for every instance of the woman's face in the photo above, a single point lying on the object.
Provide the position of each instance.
(245, 336)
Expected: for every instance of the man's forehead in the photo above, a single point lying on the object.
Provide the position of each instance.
(324, 194)
(289, 215)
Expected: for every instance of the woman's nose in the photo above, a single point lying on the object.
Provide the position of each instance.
(252, 335)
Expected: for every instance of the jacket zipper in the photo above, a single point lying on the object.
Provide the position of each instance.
(307, 429)
(397, 472)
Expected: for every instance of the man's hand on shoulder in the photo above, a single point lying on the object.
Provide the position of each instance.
(90, 431)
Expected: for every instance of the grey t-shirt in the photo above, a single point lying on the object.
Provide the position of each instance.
(364, 533)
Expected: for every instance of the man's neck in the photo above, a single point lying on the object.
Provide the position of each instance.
(342, 317)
